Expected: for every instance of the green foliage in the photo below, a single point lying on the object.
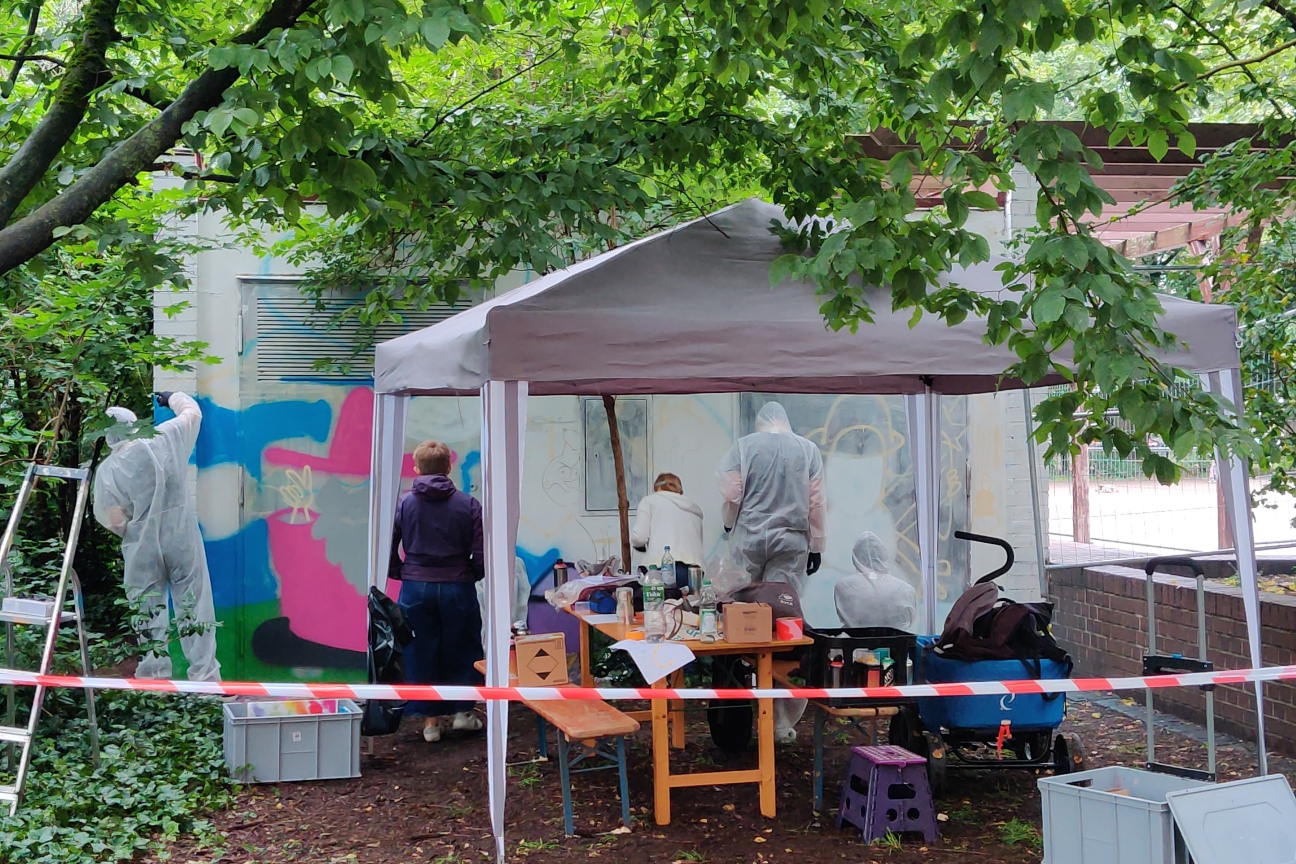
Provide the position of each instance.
(1017, 832)
(160, 775)
(76, 337)
(418, 151)
(611, 665)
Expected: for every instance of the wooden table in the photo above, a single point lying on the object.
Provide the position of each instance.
(667, 734)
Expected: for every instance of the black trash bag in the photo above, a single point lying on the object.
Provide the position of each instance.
(730, 721)
(389, 633)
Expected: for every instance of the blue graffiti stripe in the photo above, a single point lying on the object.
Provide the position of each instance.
(220, 441)
(250, 548)
(537, 566)
(471, 461)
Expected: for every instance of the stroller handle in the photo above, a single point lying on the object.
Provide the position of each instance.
(1009, 557)
(1173, 561)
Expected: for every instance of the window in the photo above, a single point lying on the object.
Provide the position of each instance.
(600, 470)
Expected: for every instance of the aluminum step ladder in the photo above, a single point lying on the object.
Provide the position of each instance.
(49, 615)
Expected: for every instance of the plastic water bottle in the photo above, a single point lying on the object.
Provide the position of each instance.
(654, 597)
(668, 567)
(708, 620)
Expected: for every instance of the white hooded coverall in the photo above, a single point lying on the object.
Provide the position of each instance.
(773, 503)
(141, 494)
(873, 596)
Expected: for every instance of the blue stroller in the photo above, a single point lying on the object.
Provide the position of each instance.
(990, 732)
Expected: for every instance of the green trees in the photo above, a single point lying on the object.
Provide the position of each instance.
(444, 143)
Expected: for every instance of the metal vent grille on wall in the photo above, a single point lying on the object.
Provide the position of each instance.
(295, 338)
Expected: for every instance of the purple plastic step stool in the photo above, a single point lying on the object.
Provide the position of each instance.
(885, 792)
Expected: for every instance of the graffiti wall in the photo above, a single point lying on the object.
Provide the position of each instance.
(282, 470)
(289, 584)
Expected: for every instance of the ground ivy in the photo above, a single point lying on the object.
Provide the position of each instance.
(162, 773)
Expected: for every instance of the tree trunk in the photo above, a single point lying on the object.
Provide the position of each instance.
(1080, 496)
(33, 233)
(618, 462)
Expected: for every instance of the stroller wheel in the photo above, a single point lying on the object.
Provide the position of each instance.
(1068, 754)
(904, 730)
(937, 761)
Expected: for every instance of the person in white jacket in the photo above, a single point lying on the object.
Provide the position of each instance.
(141, 494)
(667, 518)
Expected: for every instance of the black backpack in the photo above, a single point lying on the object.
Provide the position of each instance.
(1008, 631)
(389, 632)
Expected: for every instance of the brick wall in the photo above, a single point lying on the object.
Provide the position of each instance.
(1101, 619)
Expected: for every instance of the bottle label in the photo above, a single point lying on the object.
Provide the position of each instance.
(654, 594)
(707, 622)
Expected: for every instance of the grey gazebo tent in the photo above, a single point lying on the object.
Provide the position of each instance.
(691, 310)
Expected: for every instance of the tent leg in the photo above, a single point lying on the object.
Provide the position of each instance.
(503, 439)
(1234, 477)
(924, 446)
(1041, 560)
(388, 454)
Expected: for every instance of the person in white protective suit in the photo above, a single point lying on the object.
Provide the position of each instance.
(141, 494)
(774, 510)
(873, 596)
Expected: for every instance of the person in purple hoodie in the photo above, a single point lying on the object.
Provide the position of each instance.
(440, 530)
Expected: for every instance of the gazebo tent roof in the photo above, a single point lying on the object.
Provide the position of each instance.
(691, 310)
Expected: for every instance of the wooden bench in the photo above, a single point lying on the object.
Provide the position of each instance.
(858, 716)
(585, 728)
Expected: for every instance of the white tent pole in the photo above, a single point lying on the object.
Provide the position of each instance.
(924, 447)
(1041, 562)
(1234, 474)
(503, 439)
(388, 453)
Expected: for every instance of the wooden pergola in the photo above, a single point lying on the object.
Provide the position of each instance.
(1143, 222)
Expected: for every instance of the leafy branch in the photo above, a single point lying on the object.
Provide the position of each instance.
(1237, 64)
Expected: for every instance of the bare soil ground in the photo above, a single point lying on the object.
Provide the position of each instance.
(427, 802)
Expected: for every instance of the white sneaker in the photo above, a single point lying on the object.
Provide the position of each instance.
(432, 734)
(466, 721)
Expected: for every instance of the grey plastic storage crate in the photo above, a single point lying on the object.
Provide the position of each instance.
(282, 742)
(1087, 821)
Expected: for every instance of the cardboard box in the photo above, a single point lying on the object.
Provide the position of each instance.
(541, 660)
(748, 622)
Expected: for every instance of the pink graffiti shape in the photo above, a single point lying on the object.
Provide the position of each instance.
(349, 448)
(320, 604)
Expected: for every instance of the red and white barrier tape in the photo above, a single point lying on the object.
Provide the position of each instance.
(612, 694)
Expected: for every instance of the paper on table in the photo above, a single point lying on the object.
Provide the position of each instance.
(657, 661)
(595, 620)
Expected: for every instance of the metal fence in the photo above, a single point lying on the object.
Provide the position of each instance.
(1103, 466)
(1130, 515)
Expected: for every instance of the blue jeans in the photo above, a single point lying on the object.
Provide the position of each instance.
(447, 627)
